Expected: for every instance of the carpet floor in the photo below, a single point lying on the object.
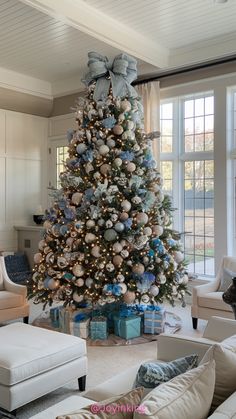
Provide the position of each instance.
(105, 362)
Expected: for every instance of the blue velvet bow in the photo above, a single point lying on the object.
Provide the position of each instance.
(153, 308)
(80, 317)
(122, 72)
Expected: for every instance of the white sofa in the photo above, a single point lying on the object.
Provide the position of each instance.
(169, 347)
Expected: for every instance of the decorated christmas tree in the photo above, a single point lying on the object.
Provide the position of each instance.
(108, 234)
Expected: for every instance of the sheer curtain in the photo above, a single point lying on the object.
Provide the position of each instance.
(150, 93)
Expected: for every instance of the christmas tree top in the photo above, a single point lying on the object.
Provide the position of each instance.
(108, 233)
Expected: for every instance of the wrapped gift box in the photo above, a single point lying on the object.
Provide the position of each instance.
(98, 328)
(68, 316)
(81, 328)
(154, 320)
(54, 316)
(127, 327)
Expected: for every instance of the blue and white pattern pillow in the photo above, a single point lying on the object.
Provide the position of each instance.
(151, 374)
(226, 279)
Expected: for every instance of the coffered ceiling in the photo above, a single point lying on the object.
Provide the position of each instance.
(44, 43)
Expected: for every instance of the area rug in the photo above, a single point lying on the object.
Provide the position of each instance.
(172, 324)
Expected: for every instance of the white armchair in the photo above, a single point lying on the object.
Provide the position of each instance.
(207, 299)
(13, 297)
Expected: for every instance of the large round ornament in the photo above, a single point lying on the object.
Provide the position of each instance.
(103, 150)
(118, 162)
(125, 105)
(111, 143)
(79, 282)
(90, 237)
(157, 230)
(123, 287)
(117, 247)
(129, 297)
(178, 256)
(142, 218)
(105, 168)
(118, 129)
(110, 235)
(42, 244)
(154, 290)
(126, 205)
(120, 278)
(138, 268)
(96, 251)
(147, 231)
(119, 227)
(131, 167)
(117, 260)
(81, 148)
(124, 216)
(38, 258)
(90, 223)
(53, 284)
(89, 282)
(77, 298)
(78, 270)
(145, 299)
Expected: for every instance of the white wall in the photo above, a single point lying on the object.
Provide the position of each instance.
(23, 171)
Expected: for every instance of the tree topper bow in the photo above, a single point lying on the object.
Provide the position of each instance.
(122, 72)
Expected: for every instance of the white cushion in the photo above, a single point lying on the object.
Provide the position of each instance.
(26, 351)
(225, 384)
(226, 410)
(187, 394)
(1, 282)
(213, 300)
(10, 300)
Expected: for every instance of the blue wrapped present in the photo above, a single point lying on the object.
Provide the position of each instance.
(127, 327)
(154, 317)
(54, 316)
(98, 328)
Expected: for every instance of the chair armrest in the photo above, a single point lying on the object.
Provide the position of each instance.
(8, 284)
(171, 347)
(219, 328)
(204, 289)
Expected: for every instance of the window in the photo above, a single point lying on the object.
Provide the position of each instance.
(61, 156)
(188, 158)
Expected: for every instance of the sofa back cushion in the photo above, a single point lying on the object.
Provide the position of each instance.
(186, 396)
(1, 282)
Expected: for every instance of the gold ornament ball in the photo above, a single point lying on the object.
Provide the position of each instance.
(78, 270)
(38, 258)
(124, 216)
(118, 129)
(129, 297)
(142, 218)
(105, 168)
(77, 298)
(157, 230)
(53, 284)
(96, 251)
(77, 198)
(138, 268)
(117, 260)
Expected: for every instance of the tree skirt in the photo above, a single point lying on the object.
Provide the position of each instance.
(171, 325)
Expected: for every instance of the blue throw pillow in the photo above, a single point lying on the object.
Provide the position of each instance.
(151, 374)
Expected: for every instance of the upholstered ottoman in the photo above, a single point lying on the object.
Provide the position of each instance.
(35, 361)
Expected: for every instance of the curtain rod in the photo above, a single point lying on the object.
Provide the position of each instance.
(176, 72)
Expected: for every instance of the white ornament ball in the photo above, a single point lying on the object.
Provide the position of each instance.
(42, 244)
(89, 282)
(117, 247)
(126, 205)
(120, 278)
(142, 218)
(124, 216)
(77, 198)
(118, 129)
(109, 223)
(90, 223)
(114, 217)
(154, 290)
(38, 258)
(79, 282)
(145, 299)
(138, 268)
(104, 149)
(119, 227)
(147, 231)
(121, 117)
(90, 237)
(117, 260)
(161, 278)
(111, 143)
(81, 148)
(131, 167)
(110, 267)
(99, 142)
(118, 162)
(178, 256)
(110, 235)
(130, 125)
(95, 251)
(53, 284)
(124, 253)
(125, 105)
(77, 298)
(105, 168)
(78, 270)
(123, 288)
(129, 297)
(101, 222)
(185, 279)
(157, 230)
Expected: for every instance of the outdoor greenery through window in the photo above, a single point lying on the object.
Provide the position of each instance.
(62, 154)
(187, 145)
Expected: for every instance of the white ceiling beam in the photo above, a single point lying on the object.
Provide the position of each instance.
(87, 19)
